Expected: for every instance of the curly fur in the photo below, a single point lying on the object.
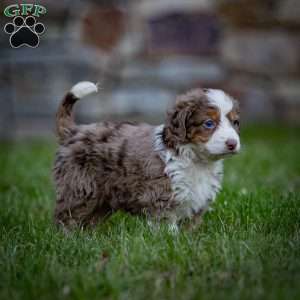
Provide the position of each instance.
(163, 172)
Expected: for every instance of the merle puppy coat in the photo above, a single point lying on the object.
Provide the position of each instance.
(172, 171)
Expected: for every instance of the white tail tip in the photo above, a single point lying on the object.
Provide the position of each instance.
(84, 88)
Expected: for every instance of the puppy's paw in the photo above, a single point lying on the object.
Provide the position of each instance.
(173, 228)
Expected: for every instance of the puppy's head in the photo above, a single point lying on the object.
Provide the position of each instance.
(207, 120)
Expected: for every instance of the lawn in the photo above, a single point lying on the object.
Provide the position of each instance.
(247, 248)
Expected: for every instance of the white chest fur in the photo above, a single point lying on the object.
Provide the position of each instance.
(194, 184)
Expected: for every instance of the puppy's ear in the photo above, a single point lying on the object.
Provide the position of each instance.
(175, 131)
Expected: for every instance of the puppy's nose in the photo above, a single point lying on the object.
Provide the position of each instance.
(231, 144)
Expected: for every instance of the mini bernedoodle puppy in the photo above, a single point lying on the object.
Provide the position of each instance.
(171, 172)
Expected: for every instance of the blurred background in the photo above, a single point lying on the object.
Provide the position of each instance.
(143, 53)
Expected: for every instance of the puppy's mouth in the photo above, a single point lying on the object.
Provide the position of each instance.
(222, 155)
(205, 154)
(226, 153)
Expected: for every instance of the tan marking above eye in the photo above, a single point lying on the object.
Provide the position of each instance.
(201, 116)
(214, 115)
(233, 115)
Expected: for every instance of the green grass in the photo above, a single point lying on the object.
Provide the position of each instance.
(247, 248)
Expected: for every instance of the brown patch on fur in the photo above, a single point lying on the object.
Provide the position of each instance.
(234, 116)
(184, 122)
(106, 167)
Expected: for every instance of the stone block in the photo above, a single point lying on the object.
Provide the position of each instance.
(288, 90)
(196, 33)
(266, 52)
(287, 99)
(176, 72)
(255, 96)
(289, 11)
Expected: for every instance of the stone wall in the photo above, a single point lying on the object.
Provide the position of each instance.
(145, 52)
(261, 51)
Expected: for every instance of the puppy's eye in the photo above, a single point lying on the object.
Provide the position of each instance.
(209, 124)
(236, 123)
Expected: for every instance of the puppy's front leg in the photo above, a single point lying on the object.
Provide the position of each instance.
(195, 221)
(173, 228)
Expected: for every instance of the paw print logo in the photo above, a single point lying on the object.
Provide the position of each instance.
(24, 32)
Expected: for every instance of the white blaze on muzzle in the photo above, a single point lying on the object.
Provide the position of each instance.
(225, 132)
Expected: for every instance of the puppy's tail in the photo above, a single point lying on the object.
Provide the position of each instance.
(64, 117)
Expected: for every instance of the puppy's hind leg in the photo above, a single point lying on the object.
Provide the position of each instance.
(78, 198)
(195, 222)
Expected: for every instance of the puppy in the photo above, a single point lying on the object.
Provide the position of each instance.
(172, 171)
